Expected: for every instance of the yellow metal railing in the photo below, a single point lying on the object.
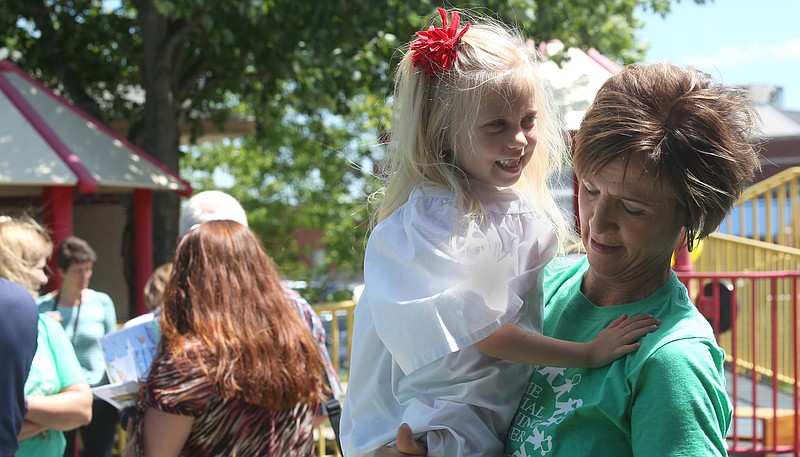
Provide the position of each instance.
(730, 253)
(769, 211)
(764, 325)
(333, 313)
(763, 236)
(338, 314)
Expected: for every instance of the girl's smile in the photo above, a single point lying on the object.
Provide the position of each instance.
(503, 141)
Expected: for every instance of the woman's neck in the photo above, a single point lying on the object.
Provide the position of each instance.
(69, 297)
(606, 292)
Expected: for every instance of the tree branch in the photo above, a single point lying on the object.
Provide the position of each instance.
(59, 63)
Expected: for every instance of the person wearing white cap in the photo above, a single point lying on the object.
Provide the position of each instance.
(210, 205)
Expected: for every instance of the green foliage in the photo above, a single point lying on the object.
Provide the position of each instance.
(303, 183)
(313, 75)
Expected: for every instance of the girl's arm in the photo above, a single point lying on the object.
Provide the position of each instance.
(621, 336)
(69, 409)
(164, 434)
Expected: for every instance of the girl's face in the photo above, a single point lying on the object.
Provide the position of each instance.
(630, 223)
(37, 272)
(504, 140)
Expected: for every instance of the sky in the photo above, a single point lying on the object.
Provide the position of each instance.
(736, 41)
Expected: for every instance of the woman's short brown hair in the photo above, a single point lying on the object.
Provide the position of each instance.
(74, 250)
(697, 134)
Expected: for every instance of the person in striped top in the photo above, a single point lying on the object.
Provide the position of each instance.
(237, 372)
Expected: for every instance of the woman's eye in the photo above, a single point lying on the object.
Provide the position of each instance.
(590, 190)
(632, 211)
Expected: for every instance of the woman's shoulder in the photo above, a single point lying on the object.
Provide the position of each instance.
(96, 295)
(562, 268)
(44, 300)
(47, 322)
(184, 365)
(178, 384)
(683, 330)
(681, 355)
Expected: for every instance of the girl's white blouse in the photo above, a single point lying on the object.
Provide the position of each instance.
(435, 284)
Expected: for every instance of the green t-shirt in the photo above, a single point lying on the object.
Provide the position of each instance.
(667, 398)
(54, 368)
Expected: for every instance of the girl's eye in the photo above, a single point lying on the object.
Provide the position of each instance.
(496, 125)
(528, 121)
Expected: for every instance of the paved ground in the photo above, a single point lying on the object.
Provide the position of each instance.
(745, 397)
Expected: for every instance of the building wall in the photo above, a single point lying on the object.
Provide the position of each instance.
(778, 155)
(102, 225)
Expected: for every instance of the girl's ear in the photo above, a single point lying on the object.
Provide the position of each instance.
(447, 156)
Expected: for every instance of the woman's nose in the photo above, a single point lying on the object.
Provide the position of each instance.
(602, 219)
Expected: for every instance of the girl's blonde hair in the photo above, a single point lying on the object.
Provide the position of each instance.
(155, 285)
(23, 243)
(435, 114)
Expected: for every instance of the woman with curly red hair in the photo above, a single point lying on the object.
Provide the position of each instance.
(237, 372)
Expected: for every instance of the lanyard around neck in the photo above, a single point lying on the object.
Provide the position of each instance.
(77, 316)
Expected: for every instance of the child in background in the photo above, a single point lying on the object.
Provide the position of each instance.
(448, 327)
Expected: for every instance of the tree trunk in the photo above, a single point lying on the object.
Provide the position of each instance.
(160, 135)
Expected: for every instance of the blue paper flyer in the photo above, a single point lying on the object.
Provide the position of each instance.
(129, 352)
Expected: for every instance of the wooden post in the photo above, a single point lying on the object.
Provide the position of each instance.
(57, 212)
(143, 244)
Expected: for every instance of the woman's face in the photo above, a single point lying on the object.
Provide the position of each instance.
(37, 272)
(78, 275)
(630, 223)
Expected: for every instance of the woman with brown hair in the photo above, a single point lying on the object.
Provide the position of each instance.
(86, 315)
(237, 372)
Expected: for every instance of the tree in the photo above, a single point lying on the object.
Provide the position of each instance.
(293, 65)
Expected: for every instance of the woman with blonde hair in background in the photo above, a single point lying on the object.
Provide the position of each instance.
(237, 372)
(153, 294)
(57, 393)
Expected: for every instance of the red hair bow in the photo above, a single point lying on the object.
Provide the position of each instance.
(435, 48)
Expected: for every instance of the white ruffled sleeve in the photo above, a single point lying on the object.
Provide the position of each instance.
(431, 293)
